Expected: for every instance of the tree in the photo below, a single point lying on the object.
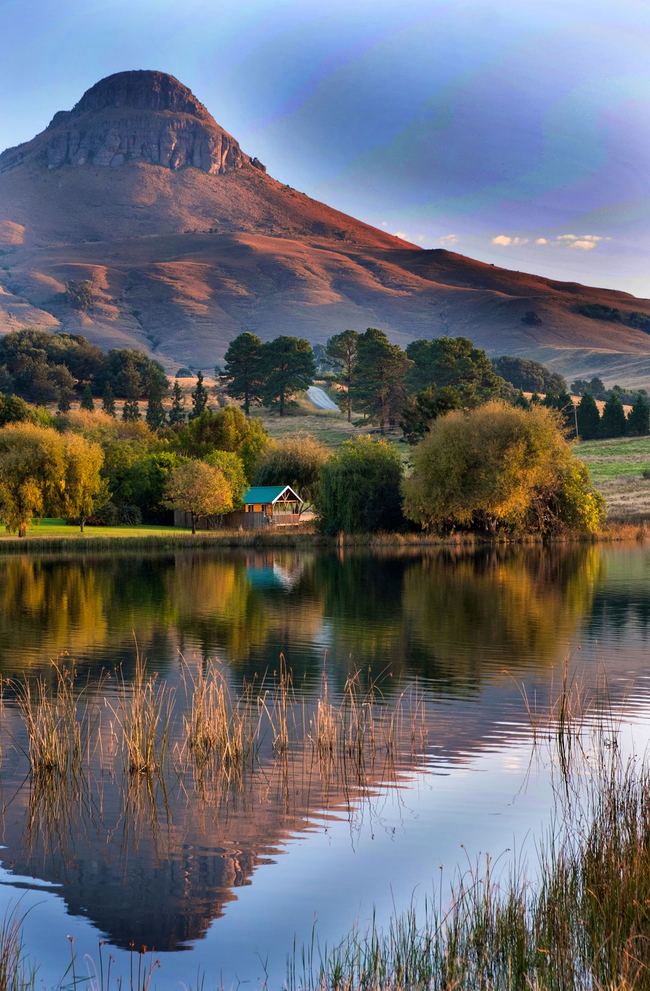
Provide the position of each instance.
(132, 391)
(287, 365)
(613, 422)
(531, 318)
(80, 295)
(87, 401)
(226, 429)
(563, 403)
(32, 473)
(588, 417)
(177, 412)
(155, 416)
(421, 410)
(199, 489)
(13, 409)
(379, 370)
(199, 397)
(232, 467)
(296, 462)
(500, 467)
(456, 363)
(638, 419)
(528, 375)
(84, 491)
(341, 355)
(359, 490)
(243, 369)
(63, 405)
(108, 400)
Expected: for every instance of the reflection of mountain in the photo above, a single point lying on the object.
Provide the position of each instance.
(156, 865)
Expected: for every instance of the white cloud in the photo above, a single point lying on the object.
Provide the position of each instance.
(583, 245)
(403, 236)
(502, 239)
(384, 224)
(520, 240)
(567, 237)
(590, 237)
(449, 239)
(541, 240)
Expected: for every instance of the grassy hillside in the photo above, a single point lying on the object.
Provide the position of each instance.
(617, 470)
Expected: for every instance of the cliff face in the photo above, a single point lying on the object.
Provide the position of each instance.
(139, 116)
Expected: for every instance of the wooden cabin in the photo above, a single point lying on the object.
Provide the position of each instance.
(264, 505)
(269, 505)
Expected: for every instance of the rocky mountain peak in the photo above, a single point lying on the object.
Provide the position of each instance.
(141, 89)
(137, 116)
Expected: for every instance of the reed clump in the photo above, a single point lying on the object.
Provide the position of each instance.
(58, 721)
(219, 725)
(143, 714)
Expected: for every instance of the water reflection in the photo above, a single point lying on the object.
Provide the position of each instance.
(155, 859)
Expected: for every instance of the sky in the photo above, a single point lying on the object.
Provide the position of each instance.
(513, 132)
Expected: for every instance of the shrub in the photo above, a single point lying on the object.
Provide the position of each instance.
(296, 462)
(130, 515)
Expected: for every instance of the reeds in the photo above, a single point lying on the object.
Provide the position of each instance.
(218, 725)
(143, 715)
(58, 721)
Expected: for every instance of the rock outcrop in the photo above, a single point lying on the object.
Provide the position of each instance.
(140, 116)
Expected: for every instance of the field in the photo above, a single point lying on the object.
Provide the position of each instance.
(616, 468)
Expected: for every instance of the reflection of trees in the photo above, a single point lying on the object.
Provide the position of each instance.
(518, 606)
(48, 606)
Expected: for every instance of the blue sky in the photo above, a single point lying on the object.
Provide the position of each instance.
(516, 133)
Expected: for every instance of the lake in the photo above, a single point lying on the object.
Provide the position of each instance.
(222, 872)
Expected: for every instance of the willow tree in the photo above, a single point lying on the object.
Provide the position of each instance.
(32, 474)
(296, 462)
(84, 491)
(500, 468)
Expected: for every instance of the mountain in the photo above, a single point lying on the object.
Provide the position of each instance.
(187, 242)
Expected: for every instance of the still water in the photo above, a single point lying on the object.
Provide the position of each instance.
(222, 876)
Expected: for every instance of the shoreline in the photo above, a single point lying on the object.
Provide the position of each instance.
(305, 540)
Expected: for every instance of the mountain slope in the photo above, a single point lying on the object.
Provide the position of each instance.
(188, 241)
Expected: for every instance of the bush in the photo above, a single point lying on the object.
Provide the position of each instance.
(359, 490)
(130, 515)
(500, 467)
(184, 373)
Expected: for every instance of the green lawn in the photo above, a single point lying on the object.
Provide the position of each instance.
(58, 528)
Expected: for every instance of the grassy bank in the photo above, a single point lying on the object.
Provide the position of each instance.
(52, 535)
(616, 468)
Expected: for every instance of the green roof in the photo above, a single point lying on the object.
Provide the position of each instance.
(267, 493)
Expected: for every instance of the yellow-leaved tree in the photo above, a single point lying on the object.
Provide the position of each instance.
(85, 491)
(199, 489)
(32, 474)
(500, 467)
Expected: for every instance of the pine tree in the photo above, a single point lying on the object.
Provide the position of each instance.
(287, 368)
(177, 413)
(243, 369)
(131, 408)
(64, 401)
(87, 401)
(155, 416)
(638, 419)
(199, 397)
(379, 373)
(108, 400)
(521, 401)
(613, 421)
(341, 354)
(588, 417)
